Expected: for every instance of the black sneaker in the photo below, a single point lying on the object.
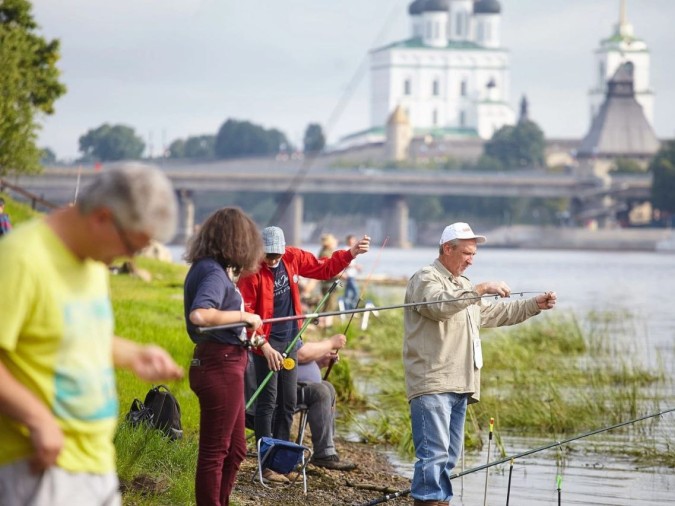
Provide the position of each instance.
(333, 462)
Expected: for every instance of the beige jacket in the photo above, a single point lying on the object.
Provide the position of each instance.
(438, 346)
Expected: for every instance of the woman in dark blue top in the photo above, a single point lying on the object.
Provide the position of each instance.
(227, 244)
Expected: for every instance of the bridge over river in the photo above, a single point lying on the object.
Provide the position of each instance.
(588, 196)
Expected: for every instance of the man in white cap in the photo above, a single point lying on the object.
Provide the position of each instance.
(442, 355)
(273, 292)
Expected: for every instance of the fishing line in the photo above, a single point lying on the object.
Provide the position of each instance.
(305, 167)
(401, 493)
(360, 299)
(313, 316)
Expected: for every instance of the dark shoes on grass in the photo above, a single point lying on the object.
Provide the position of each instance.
(333, 462)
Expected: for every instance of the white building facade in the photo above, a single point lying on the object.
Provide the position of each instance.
(451, 77)
(620, 48)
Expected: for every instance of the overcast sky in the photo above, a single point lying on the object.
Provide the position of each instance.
(175, 68)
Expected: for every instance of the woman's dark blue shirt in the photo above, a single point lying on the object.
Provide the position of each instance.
(207, 286)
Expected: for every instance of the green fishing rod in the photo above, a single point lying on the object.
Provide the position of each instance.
(291, 344)
(312, 316)
(402, 493)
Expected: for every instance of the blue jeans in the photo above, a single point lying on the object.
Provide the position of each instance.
(438, 434)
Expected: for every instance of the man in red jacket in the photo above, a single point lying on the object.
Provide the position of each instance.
(272, 293)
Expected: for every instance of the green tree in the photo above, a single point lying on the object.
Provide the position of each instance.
(662, 167)
(47, 156)
(522, 145)
(177, 149)
(29, 80)
(200, 147)
(111, 143)
(243, 138)
(627, 166)
(314, 140)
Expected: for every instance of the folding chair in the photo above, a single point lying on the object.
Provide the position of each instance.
(283, 457)
(303, 409)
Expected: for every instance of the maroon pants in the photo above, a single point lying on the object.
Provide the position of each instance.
(218, 381)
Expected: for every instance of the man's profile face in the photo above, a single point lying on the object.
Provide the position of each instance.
(458, 258)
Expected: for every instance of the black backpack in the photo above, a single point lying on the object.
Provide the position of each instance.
(159, 410)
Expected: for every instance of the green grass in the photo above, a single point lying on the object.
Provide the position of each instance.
(553, 376)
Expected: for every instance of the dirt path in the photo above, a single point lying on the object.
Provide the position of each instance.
(373, 478)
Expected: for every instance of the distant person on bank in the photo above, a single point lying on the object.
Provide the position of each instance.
(273, 292)
(58, 350)
(442, 355)
(5, 223)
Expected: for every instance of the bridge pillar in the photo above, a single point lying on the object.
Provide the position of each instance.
(186, 216)
(291, 221)
(395, 219)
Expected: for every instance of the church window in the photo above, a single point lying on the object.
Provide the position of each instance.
(479, 32)
(406, 87)
(434, 117)
(435, 30)
(601, 73)
(462, 119)
(488, 32)
(462, 88)
(434, 89)
(459, 23)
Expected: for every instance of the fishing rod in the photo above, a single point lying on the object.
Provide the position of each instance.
(356, 306)
(289, 347)
(312, 316)
(401, 493)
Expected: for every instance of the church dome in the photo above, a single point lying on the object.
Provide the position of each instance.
(436, 6)
(487, 7)
(416, 8)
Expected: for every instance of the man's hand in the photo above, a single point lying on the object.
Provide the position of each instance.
(47, 440)
(546, 300)
(360, 247)
(338, 341)
(493, 288)
(153, 363)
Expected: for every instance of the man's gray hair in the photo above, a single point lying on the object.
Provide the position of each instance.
(140, 197)
(452, 242)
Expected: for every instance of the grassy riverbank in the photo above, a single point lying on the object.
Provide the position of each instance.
(551, 377)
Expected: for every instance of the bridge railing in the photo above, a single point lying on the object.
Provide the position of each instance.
(34, 199)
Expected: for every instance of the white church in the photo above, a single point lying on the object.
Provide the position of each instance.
(451, 77)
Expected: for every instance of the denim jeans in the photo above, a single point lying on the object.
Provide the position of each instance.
(438, 434)
(275, 404)
(320, 401)
(218, 382)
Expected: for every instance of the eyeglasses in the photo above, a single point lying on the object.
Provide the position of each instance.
(129, 247)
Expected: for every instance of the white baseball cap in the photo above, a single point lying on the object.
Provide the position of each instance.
(460, 230)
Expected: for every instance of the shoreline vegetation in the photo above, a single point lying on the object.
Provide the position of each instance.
(550, 378)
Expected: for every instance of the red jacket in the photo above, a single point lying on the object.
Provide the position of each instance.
(258, 289)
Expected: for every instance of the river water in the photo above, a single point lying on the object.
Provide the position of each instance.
(636, 284)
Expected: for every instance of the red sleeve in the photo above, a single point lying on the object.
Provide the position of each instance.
(325, 268)
(248, 286)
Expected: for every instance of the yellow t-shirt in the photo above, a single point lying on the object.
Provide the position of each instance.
(56, 337)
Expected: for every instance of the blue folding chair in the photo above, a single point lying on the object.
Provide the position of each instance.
(283, 457)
